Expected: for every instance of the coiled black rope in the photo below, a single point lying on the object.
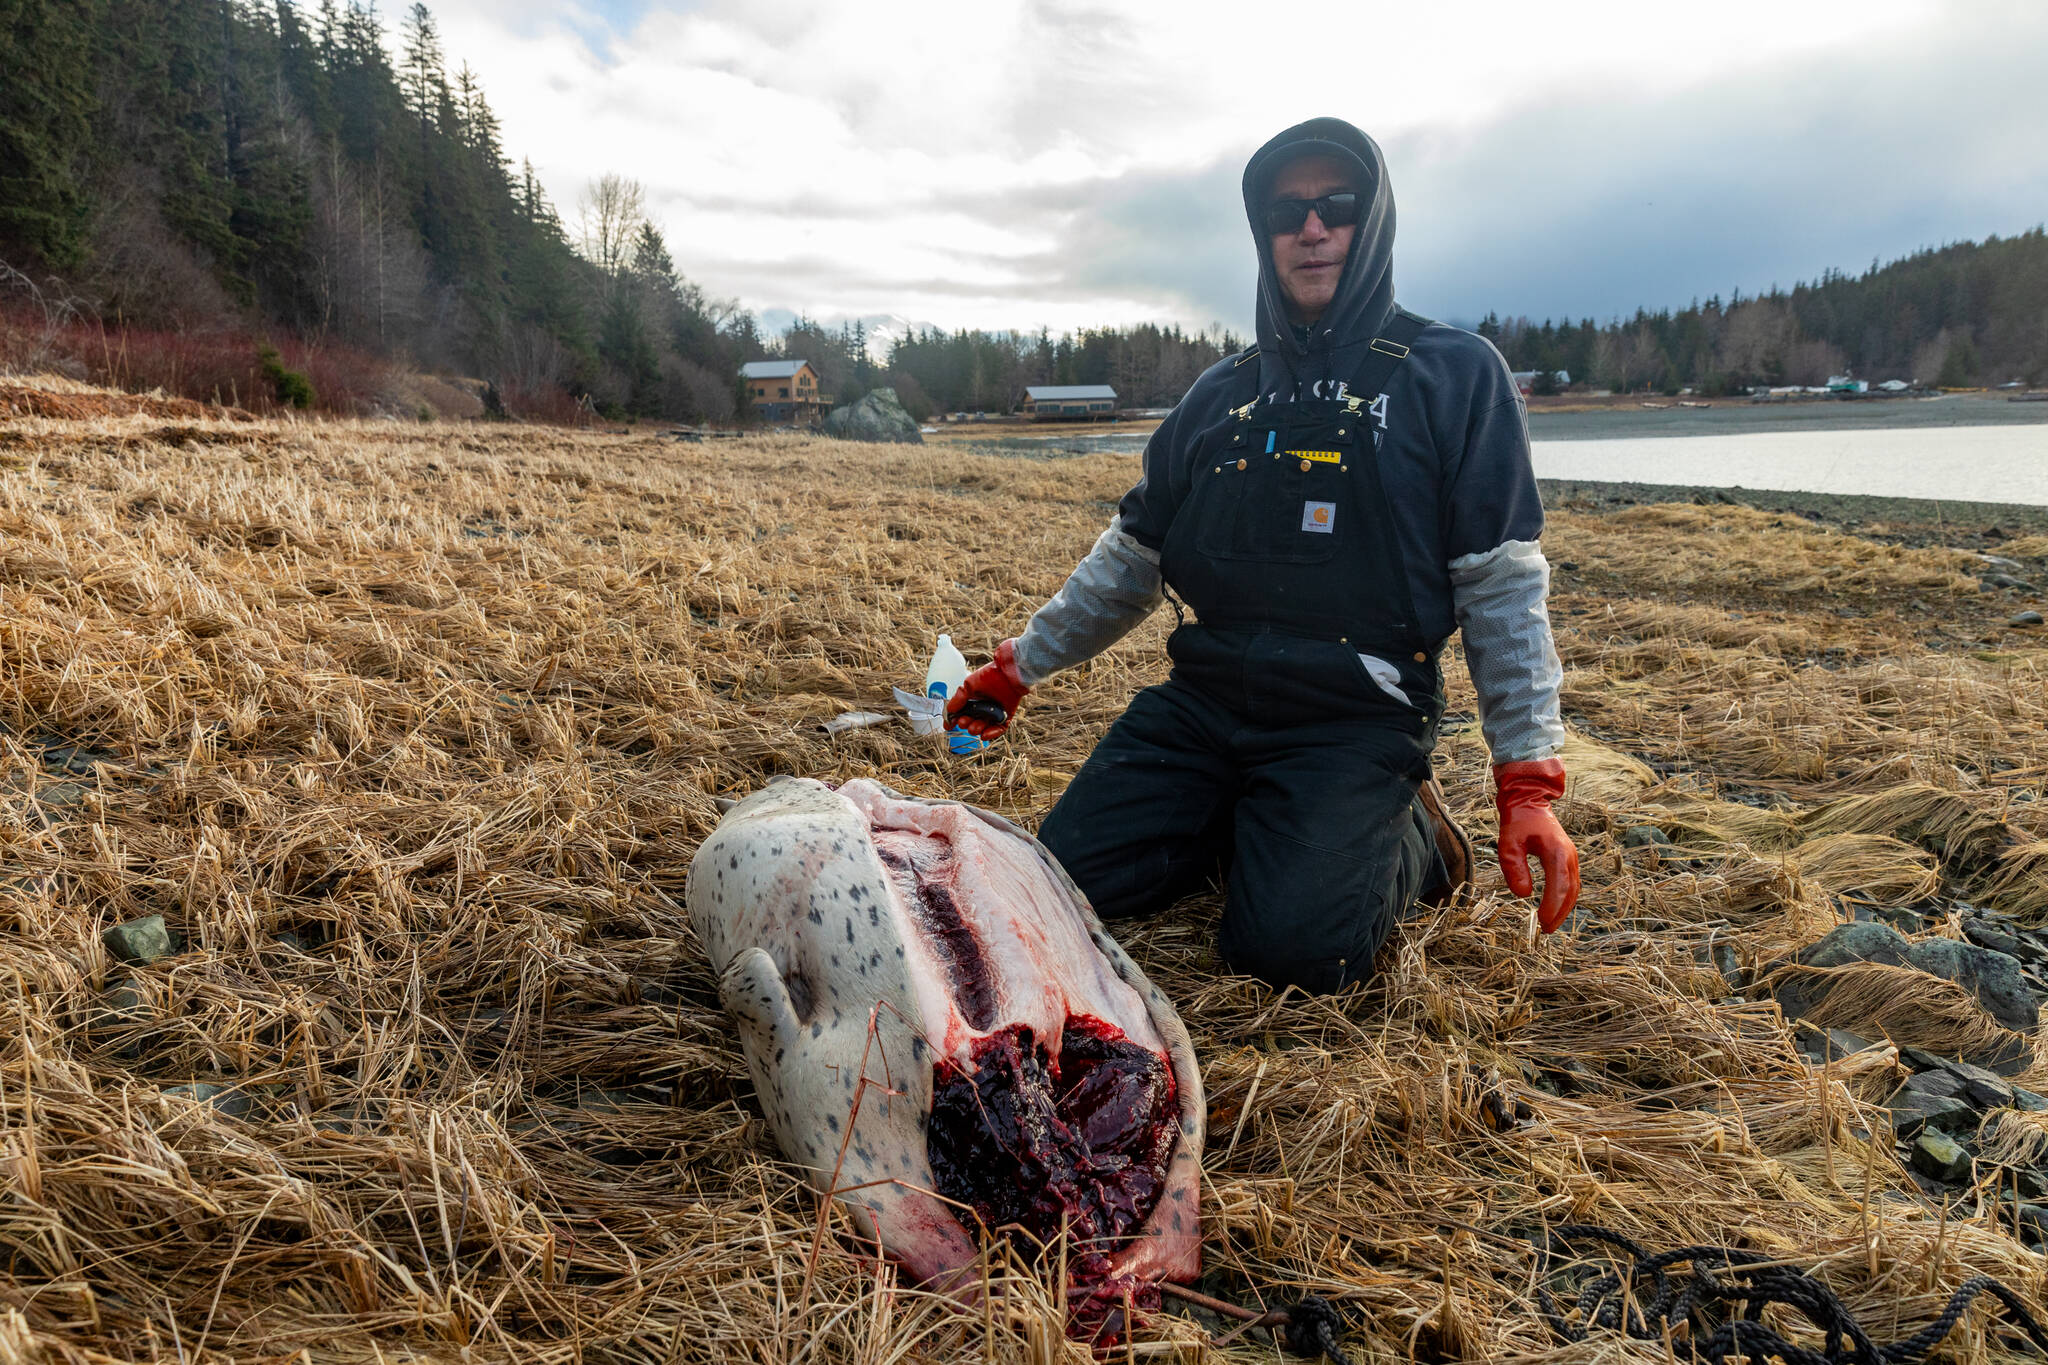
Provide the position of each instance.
(1312, 1328)
(1649, 1301)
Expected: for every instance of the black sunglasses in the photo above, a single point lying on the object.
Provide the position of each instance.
(1284, 217)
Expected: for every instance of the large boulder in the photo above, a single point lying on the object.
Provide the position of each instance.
(1858, 943)
(1993, 977)
(877, 417)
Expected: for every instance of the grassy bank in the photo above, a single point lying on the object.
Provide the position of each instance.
(409, 734)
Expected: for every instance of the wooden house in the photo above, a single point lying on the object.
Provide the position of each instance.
(785, 392)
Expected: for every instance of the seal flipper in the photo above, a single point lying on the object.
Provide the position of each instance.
(753, 992)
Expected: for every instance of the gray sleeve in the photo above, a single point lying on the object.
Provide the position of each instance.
(1500, 597)
(1114, 588)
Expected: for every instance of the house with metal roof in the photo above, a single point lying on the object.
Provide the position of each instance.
(1069, 401)
(785, 391)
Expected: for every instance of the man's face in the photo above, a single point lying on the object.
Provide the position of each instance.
(1310, 261)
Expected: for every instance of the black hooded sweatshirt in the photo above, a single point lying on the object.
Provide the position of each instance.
(1453, 445)
(1452, 451)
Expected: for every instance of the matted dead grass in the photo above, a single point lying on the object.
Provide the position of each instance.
(452, 707)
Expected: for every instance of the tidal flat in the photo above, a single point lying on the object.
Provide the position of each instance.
(403, 735)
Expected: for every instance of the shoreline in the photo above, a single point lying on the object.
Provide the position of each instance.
(1913, 521)
(1740, 417)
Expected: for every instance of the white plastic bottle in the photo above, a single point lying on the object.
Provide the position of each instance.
(947, 671)
(942, 679)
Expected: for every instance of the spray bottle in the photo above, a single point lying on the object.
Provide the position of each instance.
(942, 680)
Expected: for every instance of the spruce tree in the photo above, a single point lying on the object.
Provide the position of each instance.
(47, 105)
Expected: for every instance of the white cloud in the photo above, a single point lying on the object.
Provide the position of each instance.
(1011, 164)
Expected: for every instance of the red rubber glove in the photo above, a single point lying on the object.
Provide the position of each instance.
(996, 681)
(1523, 793)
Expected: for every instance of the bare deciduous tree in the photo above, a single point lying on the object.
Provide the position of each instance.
(608, 218)
(1811, 361)
(1755, 338)
(530, 361)
(369, 273)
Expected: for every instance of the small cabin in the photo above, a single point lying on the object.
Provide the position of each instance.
(785, 391)
(1069, 402)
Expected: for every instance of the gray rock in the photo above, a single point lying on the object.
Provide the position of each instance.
(1920, 1059)
(350, 1118)
(70, 758)
(1843, 946)
(2008, 1058)
(1847, 1044)
(63, 794)
(1583, 920)
(121, 1004)
(1940, 1081)
(139, 940)
(1984, 1089)
(1898, 917)
(1851, 943)
(1986, 933)
(1644, 836)
(2033, 1223)
(1940, 1156)
(289, 938)
(877, 417)
(2030, 1183)
(2027, 1102)
(1827, 1045)
(1729, 965)
(1914, 1112)
(1993, 977)
(2024, 618)
(120, 1007)
(224, 1098)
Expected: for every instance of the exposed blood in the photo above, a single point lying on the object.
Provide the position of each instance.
(1081, 1142)
(917, 863)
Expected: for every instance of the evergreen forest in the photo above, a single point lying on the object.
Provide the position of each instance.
(1955, 316)
(285, 203)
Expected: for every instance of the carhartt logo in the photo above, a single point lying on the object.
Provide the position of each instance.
(1318, 516)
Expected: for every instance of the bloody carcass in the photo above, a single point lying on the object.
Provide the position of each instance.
(932, 1013)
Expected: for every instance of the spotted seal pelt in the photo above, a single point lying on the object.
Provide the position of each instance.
(1018, 1063)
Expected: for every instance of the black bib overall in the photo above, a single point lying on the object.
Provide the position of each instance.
(1271, 749)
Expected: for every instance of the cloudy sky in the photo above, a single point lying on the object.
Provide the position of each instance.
(1072, 162)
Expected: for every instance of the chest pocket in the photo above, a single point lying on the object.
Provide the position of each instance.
(1280, 491)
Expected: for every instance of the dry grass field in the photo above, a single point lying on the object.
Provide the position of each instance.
(409, 732)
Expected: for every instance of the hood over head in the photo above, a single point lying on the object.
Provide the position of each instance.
(1364, 300)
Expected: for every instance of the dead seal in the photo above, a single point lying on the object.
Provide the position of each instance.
(931, 1012)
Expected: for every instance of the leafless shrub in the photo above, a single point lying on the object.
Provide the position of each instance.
(55, 307)
(691, 393)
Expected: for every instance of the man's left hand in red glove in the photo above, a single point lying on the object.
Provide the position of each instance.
(997, 686)
(1523, 792)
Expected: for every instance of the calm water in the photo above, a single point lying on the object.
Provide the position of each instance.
(2005, 463)
(1961, 448)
